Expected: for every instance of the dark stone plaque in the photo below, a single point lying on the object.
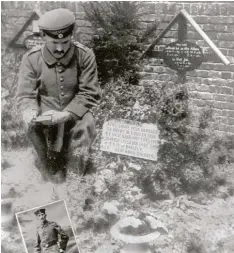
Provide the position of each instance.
(32, 41)
(183, 56)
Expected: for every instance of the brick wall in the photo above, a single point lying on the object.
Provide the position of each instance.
(212, 84)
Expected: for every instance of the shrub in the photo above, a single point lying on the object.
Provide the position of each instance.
(13, 134)
(118, 40)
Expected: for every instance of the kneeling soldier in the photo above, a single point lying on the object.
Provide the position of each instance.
(58, 80)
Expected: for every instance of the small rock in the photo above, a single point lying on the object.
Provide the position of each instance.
(134, 166)
(131, 221)
(136, 106)
(113, 165)
(155, 224)
(136, 248)
(105, 249)
(111, 209)
(115, 202)
(228, 245)
(99, 186)
(107, 174)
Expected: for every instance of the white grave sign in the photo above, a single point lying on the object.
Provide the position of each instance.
(132, 138)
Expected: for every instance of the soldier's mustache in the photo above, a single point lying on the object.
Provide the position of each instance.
(59, 52)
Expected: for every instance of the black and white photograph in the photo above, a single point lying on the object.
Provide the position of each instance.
(124, 110)
(47, 229)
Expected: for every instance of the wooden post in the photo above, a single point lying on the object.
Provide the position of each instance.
(182, 36)
(182, 28)
(205, 37)
(160, 36)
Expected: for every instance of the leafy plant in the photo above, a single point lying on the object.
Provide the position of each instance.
(118, 41)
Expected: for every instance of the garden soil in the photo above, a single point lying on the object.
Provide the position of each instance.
(111, 214)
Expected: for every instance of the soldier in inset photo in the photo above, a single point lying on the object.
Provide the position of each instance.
(47, 229)
(50, 237)
(57, 87)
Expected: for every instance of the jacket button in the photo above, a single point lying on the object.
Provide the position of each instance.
(58, 63)
(62, 94)
(61, 79)
(60, 70)
(61, 87)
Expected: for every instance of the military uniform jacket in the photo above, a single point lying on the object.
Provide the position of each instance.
(68, 84)
(48, 235)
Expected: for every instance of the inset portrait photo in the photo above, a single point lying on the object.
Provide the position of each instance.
(47, 229)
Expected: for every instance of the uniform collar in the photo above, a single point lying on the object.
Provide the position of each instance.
(50, 60)
(44, 224)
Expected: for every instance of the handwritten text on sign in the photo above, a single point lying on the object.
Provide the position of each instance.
(132, 138)
(183, 56)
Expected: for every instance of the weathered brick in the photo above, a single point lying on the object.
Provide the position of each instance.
(197, 80)
(208, 27)
(227, 98)
(225, 36)
(230, 84)
(204, 9)
(230, 113)
(226, 90)
(222, 67)
(148, 17)
(214, 89)
(203, 88)
(217, 112)
(149, 69)
(86, 30)
(203, 95)
(149, 8)
(222, 120)
(229, 129)
(149, 76)
(187, 7)
(222, 28)
(224, 105)
(207, 66)
(202, 73)
(84, 23)
(214, 74)
(192, 87)
(80, 16)
(226, 44)
(230, 52)
(221, 20)
(165, 77)
(201, 103)
(211, 81)
(225, 9)
(226, 75)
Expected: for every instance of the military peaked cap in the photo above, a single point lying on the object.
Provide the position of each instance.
(57, 23)
(41, 210)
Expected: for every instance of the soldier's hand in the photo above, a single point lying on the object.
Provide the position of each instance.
(29, 116)
(58, 117)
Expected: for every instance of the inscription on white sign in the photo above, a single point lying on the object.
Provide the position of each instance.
(132, 138)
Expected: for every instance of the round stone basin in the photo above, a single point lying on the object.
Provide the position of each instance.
(135, 223)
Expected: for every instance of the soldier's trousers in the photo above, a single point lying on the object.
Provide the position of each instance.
(53, 249)
(78, 135)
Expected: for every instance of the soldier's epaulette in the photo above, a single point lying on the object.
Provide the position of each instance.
(81, 46)
(34, 49)
(53, 223)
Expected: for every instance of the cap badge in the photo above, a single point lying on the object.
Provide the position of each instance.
(60, 36)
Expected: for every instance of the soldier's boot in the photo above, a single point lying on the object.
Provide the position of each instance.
(42, 166)
(81, 137)
(57, 166)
